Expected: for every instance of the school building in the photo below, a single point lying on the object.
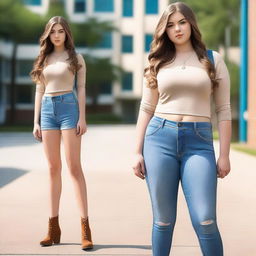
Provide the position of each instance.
(127, 47)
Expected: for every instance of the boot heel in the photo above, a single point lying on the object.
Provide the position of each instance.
(56, 240)
(54, 233)
(86, 235)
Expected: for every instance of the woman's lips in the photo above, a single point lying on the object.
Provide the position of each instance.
(179, 35)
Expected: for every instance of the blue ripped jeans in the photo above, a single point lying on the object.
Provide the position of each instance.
(182, 151)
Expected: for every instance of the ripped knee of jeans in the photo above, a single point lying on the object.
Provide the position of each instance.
(163, 226)
(208, 226)
(162, 223)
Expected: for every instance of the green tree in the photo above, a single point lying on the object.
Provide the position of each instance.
(86, 34)
(100, 71)
(218, 21)
(19, 25)
(89, 34)
(56, 8)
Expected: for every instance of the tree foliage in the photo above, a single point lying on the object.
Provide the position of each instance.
(100, 71)
(214, 17)
(19, 24)
(91, 32)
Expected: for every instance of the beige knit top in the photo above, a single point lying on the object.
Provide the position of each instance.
(188, 91)
(58, 78)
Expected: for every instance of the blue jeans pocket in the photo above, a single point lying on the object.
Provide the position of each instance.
(204, 133)
(152, 128)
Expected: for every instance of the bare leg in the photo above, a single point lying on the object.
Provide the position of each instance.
(72, 144)
(51, 142)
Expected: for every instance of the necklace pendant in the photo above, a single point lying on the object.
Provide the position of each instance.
(183, 67)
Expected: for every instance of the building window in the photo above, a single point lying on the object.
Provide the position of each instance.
(148, 40)
(127, 8)
(6, 73)
(127, 44)
(24, 67)
(151, 6)
(127, 81)
(106, 88)
(25, 94)
(32, 2)
(79, 6)
(103, 6)
(1, 78)
(106, 42)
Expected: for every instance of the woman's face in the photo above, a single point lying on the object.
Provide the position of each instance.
(178, 29)
(57, 35)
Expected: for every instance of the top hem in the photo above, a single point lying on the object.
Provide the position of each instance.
(182, 113)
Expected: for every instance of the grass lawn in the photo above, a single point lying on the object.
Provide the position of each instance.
(238, 146)
(101, 118)
(244, 148)
(111, 119)
(16, 128)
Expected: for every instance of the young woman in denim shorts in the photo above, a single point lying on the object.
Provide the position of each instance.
(174, 131)
(60, 114)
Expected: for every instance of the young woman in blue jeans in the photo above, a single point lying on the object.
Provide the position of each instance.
(174, 131)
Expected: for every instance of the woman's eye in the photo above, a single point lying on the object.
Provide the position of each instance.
(182, 22)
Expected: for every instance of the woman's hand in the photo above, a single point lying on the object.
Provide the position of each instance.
(223, 166)
(37, 132)
(139, 166)
(81, 127)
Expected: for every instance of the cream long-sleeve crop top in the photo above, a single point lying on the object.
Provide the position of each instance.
(57, 77)
(189, 91)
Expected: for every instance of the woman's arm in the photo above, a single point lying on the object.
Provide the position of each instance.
(147, 109)
(223, 110)
(142, 123)
(225, 134)
(81, 96)
(37, 129)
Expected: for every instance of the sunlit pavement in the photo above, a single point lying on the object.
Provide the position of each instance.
(119, 208)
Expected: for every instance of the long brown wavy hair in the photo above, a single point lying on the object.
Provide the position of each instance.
(162, 50)
(46, 48)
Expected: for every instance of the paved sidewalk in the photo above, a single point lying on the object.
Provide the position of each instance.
(119, 208)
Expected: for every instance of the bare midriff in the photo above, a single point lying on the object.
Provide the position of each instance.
(183, 118)
(56, 93)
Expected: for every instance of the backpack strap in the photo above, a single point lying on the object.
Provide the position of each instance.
(210, 56)
(75, 83)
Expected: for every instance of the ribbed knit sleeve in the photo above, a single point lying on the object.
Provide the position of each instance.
(40, 88)
(221, 94)
(149, 98)
(81, 73)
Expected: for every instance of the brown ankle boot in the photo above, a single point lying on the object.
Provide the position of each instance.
(86, 234)
(54, 232)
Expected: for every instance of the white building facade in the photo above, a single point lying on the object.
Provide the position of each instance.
(127, 47)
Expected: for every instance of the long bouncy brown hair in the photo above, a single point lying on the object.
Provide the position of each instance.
(162, 50)
(46, 48)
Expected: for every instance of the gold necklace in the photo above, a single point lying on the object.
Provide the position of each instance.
(184, 62)
(58, 56)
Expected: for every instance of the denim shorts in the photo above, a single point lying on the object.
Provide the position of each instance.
(59, 112)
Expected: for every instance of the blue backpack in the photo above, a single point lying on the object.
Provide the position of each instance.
(210, 56)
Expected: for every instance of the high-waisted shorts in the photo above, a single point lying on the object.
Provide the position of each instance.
(59, 112)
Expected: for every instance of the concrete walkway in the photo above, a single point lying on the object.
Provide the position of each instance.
(119, 208)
